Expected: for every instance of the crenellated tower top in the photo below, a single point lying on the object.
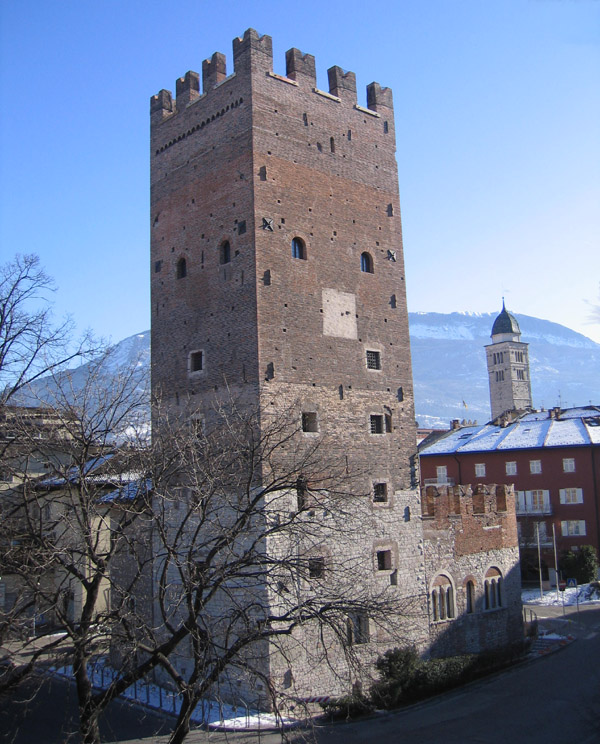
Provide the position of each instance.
(253, 55)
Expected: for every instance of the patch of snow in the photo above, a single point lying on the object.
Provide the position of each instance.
(585, 594)
(208, 712)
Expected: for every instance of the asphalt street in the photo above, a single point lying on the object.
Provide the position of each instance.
(553, 699)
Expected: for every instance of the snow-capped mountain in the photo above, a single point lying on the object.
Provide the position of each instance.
(450, 373)
(449, 366)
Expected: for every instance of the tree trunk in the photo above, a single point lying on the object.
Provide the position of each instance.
(182, 727)
(88, 712)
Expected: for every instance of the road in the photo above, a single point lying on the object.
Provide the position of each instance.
(552, 700)
(48, 715)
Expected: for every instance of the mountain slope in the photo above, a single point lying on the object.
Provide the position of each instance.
(449, 366)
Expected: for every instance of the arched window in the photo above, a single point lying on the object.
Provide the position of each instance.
(493, 589)
(181, 271)
(298, 249)
(225, 253)
(442, 599)
(366, 263)
(470, 590)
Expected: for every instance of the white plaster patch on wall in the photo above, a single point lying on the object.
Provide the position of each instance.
(339, 314)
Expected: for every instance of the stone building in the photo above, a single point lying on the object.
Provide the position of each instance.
(508, 367)
(278, 279)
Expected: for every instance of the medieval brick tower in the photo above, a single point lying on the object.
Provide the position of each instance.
(277, 264)
(508, 366)
(278, 279)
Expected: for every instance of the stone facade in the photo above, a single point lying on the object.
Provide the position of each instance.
(278, 278)
(508, 367)
(471, 539)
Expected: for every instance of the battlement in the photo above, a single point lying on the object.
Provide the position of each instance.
(492, 501)
(253, 55)
(473, 520)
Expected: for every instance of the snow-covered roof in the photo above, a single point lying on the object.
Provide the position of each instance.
(574, 427)
(73, 474)
(128, 492)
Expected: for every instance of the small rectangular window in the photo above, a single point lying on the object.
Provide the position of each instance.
(511, 468)
(535, 466)
(196, 361)
(376, 423)
(573, 528)
(480, 470)
(568, 464)
(380, 493)
(301, 493)
(241, 228)
(571, 495)
(309, 422)
(316, 567)
(373, 359)
(388, 423)
(358, 629)
(157, 266)
(384, 560)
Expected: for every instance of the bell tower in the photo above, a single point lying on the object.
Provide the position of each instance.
(508, 366)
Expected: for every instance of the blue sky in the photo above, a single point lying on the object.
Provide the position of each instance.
(498, 140)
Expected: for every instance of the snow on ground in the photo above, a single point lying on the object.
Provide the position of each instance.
(220, 715)
(213, 714)
(584, 594)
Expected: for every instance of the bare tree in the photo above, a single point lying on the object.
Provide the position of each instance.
(218, 559)
(61, 535)
(31, 343)
(256, 568)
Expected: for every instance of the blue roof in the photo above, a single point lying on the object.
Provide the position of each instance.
(73, 474)
(129, 492)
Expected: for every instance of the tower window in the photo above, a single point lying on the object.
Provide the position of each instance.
(384, 560)
(316, 567)
(196, 361)
(225, 253)
(157, 266)
(373, 359)
(298, 249)
(181, 270)
(366, 263)
(309, 422)
(357, 629)
(380, 493)
(376, 424)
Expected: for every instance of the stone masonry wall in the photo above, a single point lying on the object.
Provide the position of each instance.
(470, 535)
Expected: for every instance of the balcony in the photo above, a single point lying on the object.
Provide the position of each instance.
(439, 481)
(533, 511)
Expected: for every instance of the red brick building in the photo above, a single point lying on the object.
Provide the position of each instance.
(552, 458)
